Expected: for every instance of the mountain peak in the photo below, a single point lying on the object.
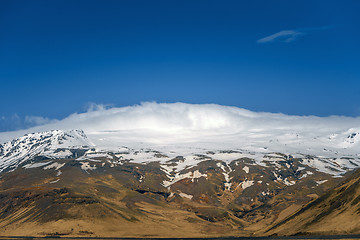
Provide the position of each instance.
(47, 144)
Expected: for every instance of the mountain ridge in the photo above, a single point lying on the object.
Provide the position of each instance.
(65, 178)
(158, 164)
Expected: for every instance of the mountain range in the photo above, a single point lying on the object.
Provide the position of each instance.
(181, 170)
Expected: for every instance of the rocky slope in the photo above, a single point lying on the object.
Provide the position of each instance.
(61, 183)
(336, 212)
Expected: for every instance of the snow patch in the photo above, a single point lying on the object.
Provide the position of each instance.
(35, 165)
(184, 195)
(55, 181)
(226, 173)
(190, 175)
(245, 184)
(55, 165)
(321, 182)
(86, 166)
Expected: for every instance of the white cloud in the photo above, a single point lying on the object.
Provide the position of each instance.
(91, 107)
(15, 122)
(283, 36)
(12, 122)
(36, 120)
(205, 125)
(291, 35)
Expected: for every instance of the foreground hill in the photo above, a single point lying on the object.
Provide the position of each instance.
(336, 212)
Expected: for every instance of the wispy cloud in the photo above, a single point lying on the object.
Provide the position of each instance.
(36, 120)
(91, 107)
(12, 122)
(15, 122)
(290, 35)
(283, 36)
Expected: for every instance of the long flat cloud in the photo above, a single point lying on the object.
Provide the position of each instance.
(208, 125)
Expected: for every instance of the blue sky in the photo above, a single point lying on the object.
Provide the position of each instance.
(295, 57)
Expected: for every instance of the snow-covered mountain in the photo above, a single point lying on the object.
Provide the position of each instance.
(189, 130)
(28, 152)
(220, 167)
(56, 144)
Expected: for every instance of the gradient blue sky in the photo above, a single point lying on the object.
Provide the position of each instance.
(296, 57)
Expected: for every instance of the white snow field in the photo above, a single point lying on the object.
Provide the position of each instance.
(180, 129)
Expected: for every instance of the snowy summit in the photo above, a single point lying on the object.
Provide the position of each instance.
(209, 126)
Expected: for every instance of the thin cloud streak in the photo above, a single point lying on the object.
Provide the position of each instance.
(291, 35)
(283, 36)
